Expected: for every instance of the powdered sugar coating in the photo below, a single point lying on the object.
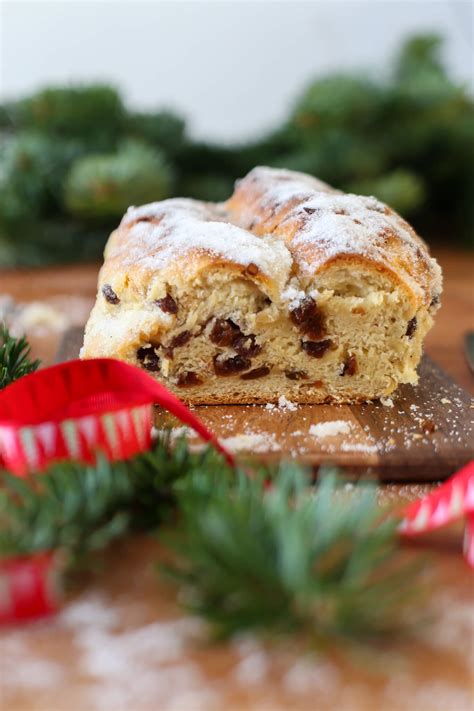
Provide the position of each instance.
(284, 226)
(163, 231)
(319, 224)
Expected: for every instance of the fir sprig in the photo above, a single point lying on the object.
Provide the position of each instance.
(15, 357)
(258, 550)
(81, 508)
(285, 559)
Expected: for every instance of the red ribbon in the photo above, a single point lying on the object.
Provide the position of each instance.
(451, 502)
(71, 410)
(29, 587)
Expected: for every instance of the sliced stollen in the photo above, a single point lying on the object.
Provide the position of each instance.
(289, 288)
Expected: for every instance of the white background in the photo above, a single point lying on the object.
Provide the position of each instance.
(232, 68)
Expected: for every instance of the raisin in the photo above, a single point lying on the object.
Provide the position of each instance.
(316, 349)
(180, 340)
(246, 346)
(296, 374)
(411, 327)
(224, 331)
(251, 269)
(256, 373)
(110, 295)
(188, 378)
(309, 318)
(231, 365)
(350, 365)
(167, 304)
(148, 358)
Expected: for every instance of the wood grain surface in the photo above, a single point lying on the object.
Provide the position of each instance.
(122, 642)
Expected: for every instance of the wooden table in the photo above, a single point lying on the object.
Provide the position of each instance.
(122, 642)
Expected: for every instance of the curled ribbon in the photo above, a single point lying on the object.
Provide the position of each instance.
(452, 501)
(71, 410)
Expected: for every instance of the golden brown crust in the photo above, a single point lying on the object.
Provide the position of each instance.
(305, 215)
(178, 239)
(271, 212)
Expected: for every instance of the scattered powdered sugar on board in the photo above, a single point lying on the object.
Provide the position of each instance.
(49, 316)
(252, 669)
(331, 428)
(23, 667)
(130, 668)
(122, 652)
(251, 442)
(285, 404)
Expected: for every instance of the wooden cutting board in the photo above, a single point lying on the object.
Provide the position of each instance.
(425, 435)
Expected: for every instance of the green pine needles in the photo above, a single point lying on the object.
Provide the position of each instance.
(259, 550)
(285, 558)
(81, 508)
(15, 360)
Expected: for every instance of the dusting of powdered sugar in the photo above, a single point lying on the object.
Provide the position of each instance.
(293, 296)
(285, 404)
(331, 428)
(258, 442)
(333, 223)
(160, 233)
(328, 224)
(282, 186)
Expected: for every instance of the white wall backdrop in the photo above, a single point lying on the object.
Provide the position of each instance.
(231, 68)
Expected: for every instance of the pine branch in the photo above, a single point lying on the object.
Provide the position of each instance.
(15, 360)
(286, 560)
(249, 555)
(82, 508)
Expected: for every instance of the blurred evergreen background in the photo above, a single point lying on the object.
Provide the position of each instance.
(72, 159)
